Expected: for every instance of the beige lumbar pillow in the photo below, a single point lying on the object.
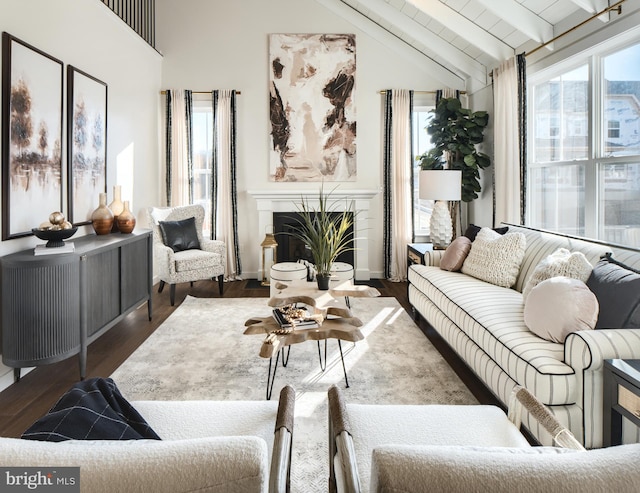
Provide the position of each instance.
(558, 306)
(455, 254)
(560, 263)
(495, 258)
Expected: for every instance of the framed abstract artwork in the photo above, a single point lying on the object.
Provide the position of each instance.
(32, 94)
(312, 109)
(86, 143)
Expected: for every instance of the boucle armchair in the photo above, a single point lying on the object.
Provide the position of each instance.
(206, 446)
(189, 265)
(430, 448)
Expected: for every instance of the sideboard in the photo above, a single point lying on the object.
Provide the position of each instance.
(54, 306)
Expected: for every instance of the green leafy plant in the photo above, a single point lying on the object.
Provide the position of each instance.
(325, 231)
(455, 131)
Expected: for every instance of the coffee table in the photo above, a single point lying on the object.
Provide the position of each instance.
(336, 321)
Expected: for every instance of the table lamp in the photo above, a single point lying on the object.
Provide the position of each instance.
(440, 185)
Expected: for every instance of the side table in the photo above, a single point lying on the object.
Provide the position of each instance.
(621, 398)
(417, 251)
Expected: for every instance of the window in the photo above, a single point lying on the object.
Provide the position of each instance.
(584, 159)
(202, 133)
(422, 106)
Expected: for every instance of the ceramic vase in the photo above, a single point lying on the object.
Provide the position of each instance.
(126, 220)
(102, 217)
(116, 206)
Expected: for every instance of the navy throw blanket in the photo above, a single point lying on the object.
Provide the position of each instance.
(93, 409)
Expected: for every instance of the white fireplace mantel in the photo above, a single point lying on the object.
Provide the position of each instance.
(270, 201)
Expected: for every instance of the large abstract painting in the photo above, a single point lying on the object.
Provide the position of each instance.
(312, 108)
(31, 137)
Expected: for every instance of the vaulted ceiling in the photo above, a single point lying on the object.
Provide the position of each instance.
(468, 38)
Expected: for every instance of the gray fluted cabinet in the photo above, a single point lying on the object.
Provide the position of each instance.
(54, 306)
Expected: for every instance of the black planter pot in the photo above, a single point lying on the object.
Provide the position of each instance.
(323, 281)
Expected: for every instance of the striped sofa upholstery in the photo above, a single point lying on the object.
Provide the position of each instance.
(484, 324)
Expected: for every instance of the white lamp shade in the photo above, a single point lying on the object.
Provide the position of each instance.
(440, 184)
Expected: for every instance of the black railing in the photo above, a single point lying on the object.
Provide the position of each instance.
(140, 15)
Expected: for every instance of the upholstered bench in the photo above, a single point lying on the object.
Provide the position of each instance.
(286, 271)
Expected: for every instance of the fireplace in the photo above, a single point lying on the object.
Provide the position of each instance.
(290, 248)
(270, 201)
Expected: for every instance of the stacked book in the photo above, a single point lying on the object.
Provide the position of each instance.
(292, 317)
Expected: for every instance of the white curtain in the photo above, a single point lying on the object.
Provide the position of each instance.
(507, 186)
(224, 203)
(401, 184)
(178, 179)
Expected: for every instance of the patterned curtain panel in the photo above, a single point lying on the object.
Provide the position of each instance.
(398, 184)
(179, 158)
(522, 127)
(224, 195)
(508, 159)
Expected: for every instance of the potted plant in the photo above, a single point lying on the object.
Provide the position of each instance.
(326, 232)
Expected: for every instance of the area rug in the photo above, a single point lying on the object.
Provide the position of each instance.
(200, 352)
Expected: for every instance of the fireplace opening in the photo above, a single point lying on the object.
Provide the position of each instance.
(291, 249)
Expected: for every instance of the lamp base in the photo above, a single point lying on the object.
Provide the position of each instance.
(441, 228)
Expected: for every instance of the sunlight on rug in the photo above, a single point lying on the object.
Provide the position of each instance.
(200, 352)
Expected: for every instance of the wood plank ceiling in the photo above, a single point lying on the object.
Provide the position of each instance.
(468, 38)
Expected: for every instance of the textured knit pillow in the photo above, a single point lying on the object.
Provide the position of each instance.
(495, 258)
(617, 288)
(455, 254)
(560, 263)
(558, 306)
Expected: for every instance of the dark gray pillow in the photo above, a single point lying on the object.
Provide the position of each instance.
(180, 235)
(617, 287)
(472, 231)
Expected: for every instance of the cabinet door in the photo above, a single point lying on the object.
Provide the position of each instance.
(134, 261)
(102, 289)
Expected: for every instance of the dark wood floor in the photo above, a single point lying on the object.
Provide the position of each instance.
(25, 401)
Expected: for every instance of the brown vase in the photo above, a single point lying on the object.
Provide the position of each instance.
(116, 206)
(102, 217)
(126, 220)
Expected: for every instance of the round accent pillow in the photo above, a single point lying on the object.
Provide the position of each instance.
(558, 306)
(455, 254)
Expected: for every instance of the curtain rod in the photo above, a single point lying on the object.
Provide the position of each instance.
(424, 92)
(201, 92)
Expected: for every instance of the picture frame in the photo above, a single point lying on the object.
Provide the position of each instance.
(32, 109)
(86, 144)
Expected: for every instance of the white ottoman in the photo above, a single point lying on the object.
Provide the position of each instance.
(342, 271)
(286, 271)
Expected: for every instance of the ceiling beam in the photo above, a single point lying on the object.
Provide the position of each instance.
(446, 76)
(593, 7)
(464, 28)
(521, 18)
(428, 39)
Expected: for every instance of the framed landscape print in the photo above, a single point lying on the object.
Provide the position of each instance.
(86, 143)
(312, 108)
(32, 93)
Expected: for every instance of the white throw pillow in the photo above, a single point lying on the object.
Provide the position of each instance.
(558, 306)
(495, 258)
(560, 263)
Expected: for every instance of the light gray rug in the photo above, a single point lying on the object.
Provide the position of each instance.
(200, 352)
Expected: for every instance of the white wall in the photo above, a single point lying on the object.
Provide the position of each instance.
(224, 45)
(86, 34)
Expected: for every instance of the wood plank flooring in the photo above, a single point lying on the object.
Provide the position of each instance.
(25, 401)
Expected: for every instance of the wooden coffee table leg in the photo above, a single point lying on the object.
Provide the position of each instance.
(271, 378)
(323, 366)
(344, 368)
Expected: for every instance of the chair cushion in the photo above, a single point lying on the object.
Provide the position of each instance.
(180, 235)
(536, 469)
(187, 260)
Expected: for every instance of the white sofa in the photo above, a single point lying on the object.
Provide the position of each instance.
(485, 326)
(206, 446)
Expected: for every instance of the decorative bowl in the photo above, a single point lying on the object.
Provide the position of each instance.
(55, 237)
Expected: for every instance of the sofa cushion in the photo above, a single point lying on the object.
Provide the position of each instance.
(455, 254)
(558, 306)
(537, 469)
(495, 258)
(493, 318)
(213, 464)
(617, 288)
(472, 231)
(180, 235)
(562, 262)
